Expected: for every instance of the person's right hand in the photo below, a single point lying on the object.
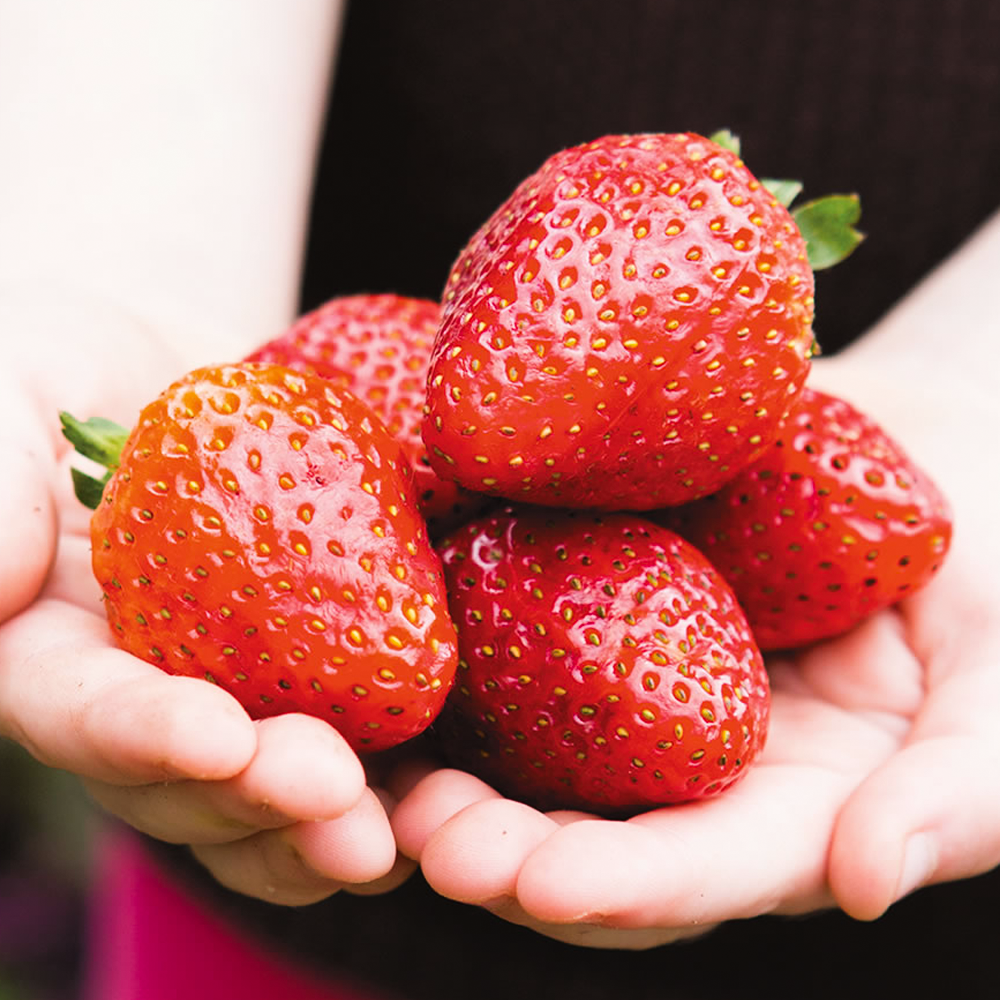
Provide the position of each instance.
(277, 809)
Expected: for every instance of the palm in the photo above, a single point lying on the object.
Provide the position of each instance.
(106, 366)
(174, 757)
(879, 742)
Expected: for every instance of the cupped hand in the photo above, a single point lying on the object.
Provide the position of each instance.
(878, 775)
(759, 847)
(278, 809)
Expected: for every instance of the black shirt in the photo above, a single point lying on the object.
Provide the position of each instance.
(438, 111)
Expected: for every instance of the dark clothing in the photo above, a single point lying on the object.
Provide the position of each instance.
(439, 109)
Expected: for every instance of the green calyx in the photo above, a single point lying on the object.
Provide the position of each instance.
(827, 224)
(99, 440)
(726, 139)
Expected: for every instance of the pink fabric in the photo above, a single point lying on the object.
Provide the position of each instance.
(149, 940)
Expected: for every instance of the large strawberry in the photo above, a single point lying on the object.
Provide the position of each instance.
(379, 347)
(604, 664)
(833, 523)
(628, 330)
(260, 530)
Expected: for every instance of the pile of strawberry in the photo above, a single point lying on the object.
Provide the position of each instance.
(559, 514)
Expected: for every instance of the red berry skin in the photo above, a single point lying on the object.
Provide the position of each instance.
(603, 664)
(627, 331)
(261, 532)
(379, 347)
(832, 524)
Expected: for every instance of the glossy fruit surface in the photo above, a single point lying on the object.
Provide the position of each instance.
(626, 331)
(833, 523)
(604, 665)
(379, 347)
(261, 531)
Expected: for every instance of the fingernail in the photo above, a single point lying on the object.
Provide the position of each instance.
(919, 862)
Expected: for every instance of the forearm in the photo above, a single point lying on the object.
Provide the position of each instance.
(925, 368)
(159, 157)
(944, 332)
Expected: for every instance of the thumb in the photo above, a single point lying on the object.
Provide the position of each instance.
(929, 814)
(28, 520)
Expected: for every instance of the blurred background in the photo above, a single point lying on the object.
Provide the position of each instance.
(46, 830)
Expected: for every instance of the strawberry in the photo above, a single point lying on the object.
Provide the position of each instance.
(603, 663)
(833, 523)
(379, 346)
(260, 530)
(627, 330)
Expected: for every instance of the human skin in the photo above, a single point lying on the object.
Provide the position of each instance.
(879, 772)
(154, 191)
(172, 237)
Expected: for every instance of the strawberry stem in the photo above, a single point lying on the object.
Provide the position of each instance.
(99, 440)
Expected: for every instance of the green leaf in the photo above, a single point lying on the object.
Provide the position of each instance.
(727, 140)
(88, 489)
(101, 441)
(827, 225)
(98, 439)
(785, 191)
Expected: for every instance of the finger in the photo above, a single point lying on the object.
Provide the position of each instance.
(761, 847)
(930, 813)
(174, 812)
(355, 848)
(402, 867)
(28, 523)
(302, 770)
(430, 803)
(591, 935)
(915, 822)
(401, 870)
(677, 867)
(79, 704)
(476, 855)
(302, 864)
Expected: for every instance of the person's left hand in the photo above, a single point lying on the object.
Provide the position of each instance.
(878, 775)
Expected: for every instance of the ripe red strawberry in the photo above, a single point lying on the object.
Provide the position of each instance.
(603, 663)
(627, 330)
(833, 523)
(261, 531)
(379, 347)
